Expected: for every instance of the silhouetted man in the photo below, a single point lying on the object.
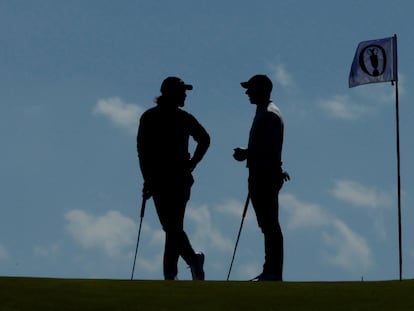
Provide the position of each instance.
(166, 166)
(266, 177)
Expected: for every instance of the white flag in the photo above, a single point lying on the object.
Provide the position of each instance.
(374, 61)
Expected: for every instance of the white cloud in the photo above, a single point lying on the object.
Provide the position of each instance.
(206, 233)
(370, 98)
(283, 77)
(4, 254)
(360, 195)
(302, 214)
(157, 236)
(247, 270)
(347, 249)
(121, 114)
(234, 208)
(351, 251)
(149, 265)
(230, 207)
(111, 232)
(377, 94)
(340, 107)
(149, 258)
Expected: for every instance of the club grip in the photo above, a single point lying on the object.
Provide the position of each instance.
(144, 200)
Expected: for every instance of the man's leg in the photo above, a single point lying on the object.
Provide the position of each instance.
(170, 207)
(264, 195)
(186, 251)
(273, 240)
(164, 208)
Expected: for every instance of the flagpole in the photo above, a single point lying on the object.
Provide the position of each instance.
(367, 57)
(397, 123)
(398, 177)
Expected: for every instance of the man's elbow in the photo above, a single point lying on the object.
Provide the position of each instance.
(207, 141)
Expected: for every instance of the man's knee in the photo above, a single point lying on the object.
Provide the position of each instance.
(271, 228)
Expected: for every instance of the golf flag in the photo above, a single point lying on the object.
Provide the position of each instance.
(374, 61)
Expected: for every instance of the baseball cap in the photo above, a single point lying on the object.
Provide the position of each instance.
(261, 82)
(172, 84)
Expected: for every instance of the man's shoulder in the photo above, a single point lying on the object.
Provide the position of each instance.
(149, 111)
(273, 108)
(185, 114)
(274, 111)
(169, 113)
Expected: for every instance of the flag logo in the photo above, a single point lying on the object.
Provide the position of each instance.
(374, 61)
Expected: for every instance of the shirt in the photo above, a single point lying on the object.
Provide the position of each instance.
(266, 139)
(163, 140)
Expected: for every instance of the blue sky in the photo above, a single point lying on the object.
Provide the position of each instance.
(76, 75)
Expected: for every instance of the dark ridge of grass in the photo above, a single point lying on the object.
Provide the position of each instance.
(78, 294)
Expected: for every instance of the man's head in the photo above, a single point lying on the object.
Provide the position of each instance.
(174, 84)
(259, 89)
(173, 91)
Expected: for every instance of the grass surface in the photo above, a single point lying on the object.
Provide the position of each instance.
(73, 294)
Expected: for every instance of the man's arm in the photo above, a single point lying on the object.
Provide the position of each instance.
(202, 138)
(144, 159)
(240, 154)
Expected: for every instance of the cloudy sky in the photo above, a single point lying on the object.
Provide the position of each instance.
(76, 76)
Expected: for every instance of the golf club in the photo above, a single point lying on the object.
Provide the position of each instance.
(144, 200)
(238, 235)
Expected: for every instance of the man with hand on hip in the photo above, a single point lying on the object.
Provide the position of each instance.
(166, 166)
(266, 176)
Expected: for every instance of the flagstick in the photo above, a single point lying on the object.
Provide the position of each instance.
(399, 177)
(360, 75)
(397, 124)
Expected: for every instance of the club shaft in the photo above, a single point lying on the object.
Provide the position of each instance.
(139, 234)
(238, 235)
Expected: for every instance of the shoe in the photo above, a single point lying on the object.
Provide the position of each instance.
(266, 277)
(197, 271)
(170, 277)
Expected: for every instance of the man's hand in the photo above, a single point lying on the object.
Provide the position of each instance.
(240, 154)
(192, 164)
(285, 176)
(146, 191)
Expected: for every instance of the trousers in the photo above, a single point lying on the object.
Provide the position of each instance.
(170, 204)
(264, 187)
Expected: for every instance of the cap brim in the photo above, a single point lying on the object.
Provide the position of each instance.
(245, 85)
